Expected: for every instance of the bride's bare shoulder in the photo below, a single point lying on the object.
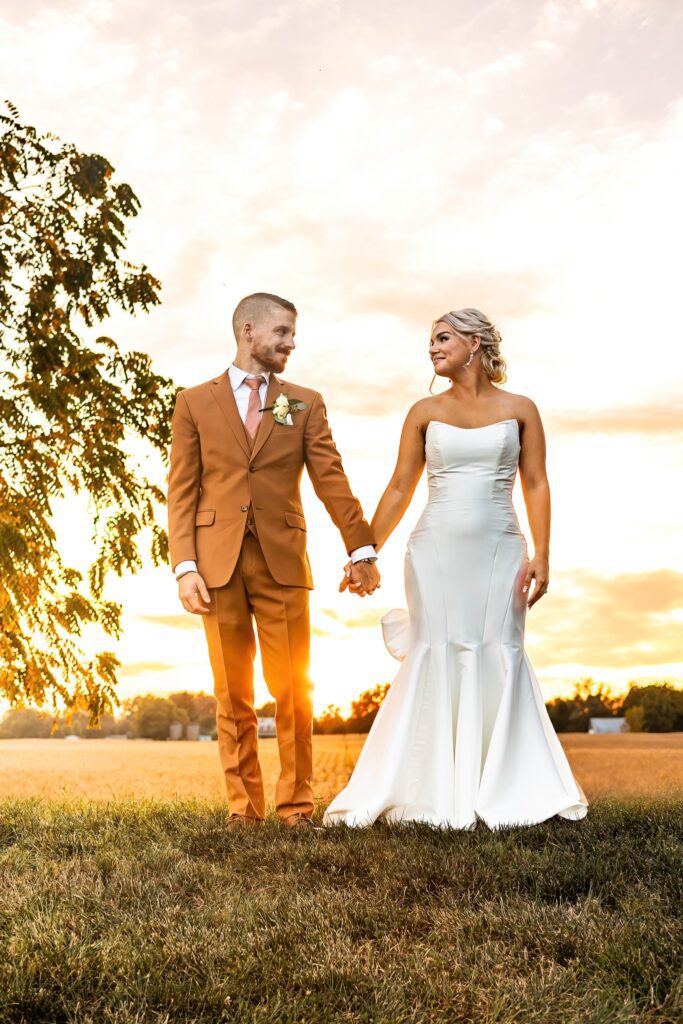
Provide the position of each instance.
(522, 407)
(422, 411)
(523, 402)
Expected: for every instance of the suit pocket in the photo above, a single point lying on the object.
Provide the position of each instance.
(204, 516)
(296, 520)
(286, 433)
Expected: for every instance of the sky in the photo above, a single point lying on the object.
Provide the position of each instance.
(380, 164)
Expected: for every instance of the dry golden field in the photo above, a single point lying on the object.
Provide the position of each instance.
(619, 765)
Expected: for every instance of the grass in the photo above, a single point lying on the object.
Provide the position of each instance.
(153, 912)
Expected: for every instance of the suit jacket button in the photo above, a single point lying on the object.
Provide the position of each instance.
(252, 469)
(244, 508)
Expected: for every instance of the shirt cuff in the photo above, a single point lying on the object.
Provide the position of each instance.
(365, 552)
(183, 567)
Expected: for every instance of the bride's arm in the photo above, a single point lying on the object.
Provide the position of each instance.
(400, 489)
(536, 491)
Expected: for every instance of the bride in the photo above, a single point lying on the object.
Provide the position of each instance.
(463, 732)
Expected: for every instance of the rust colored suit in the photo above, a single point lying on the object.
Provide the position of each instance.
(234, 507)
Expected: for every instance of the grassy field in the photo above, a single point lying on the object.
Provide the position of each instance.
(123, 913)
(124, 899)
(619, 765)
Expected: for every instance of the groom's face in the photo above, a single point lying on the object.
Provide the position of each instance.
(272, 339)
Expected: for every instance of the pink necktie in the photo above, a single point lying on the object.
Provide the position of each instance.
(253, 415)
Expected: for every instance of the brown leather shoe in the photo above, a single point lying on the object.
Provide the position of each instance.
(243, 821)
(297, 820)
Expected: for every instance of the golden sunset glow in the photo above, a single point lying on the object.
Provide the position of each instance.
(379, 167)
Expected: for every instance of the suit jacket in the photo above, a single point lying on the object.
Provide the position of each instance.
(217, 479)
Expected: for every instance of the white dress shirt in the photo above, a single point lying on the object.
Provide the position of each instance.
(242, 393)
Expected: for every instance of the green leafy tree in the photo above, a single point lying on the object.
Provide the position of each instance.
(567, 715)
(199, 707)
(150, 717)
(330, 720)
(661, 707)
(635, 718)
(78, 724)
(19, 723)
(71, 403)
(597, 699)
(22, 723)
(186, 702)
(589, 700)
(364, 709)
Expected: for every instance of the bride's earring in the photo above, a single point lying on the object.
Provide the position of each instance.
(432, 385)
(470, 359)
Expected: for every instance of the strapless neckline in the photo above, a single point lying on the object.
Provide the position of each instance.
(454, 426)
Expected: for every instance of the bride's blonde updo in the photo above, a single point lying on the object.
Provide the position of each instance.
(473, 321)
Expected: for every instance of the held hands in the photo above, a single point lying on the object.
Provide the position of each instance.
(361, 578)
(193, 594)
(538, 571)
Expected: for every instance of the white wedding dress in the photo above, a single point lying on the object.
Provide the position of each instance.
(463, 732)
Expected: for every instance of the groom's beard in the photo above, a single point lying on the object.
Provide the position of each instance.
(275, 363)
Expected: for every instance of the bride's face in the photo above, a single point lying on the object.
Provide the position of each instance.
(448, 350)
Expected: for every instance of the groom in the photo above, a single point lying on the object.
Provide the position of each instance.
(238, 546)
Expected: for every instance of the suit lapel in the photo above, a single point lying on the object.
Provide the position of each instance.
(267, 420)
(223, 393)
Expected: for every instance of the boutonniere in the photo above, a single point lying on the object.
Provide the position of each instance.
(282, 409)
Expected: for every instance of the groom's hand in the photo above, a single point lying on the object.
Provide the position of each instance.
(193, 594)
(361, 578)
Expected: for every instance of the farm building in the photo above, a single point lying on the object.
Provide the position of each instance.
(608, 725)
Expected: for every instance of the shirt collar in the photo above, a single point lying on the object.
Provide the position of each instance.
(237, 376)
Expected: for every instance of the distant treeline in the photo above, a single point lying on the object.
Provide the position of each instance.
(657, 707)
(144, 717)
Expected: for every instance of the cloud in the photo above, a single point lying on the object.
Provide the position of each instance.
(418, 302)
(358, 192)
(505, 65)
(364, 618)
(566, 17)
(141, 668)
(664, 418)
(172, 621)
(620, 621)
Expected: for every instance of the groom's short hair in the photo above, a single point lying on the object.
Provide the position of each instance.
(254, 307)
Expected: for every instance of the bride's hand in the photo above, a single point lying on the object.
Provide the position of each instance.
(538, 571)
(346, 577)
(360, 578)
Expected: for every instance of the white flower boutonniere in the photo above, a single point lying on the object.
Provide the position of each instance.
(282, 409)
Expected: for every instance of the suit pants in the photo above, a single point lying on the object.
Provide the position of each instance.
(282, 622)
